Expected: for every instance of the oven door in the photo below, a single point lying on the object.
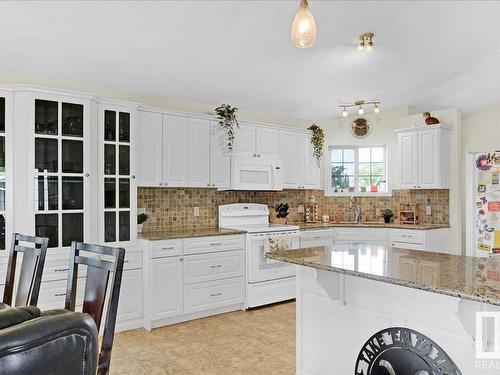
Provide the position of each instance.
(262, 269)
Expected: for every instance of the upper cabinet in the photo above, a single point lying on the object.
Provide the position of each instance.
(300, 168)
(256, 141)
(117, 187)
(173, 151)
(424, 157)
(220, 160)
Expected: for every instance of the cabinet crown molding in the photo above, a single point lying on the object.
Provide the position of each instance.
(424, 127)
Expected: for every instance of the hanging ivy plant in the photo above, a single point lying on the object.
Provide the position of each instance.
(317, 140)
(226, 115)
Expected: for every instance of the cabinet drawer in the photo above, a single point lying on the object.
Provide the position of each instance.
(408, 245)
(133, 260)
(57, 269)
(408, 235)
(53, 294)
(214, 266)
(213, 244)
(213, 294)
(161, 249)
(361, 234)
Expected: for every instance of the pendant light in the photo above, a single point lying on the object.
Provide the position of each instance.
(303, 27)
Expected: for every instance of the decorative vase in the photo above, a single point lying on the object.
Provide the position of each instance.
(139, 228)
(387, 219)
(429, 120)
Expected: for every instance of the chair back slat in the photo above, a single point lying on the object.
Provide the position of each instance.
(30, 277)
(95, 293)
(104, 264)
(100, 274)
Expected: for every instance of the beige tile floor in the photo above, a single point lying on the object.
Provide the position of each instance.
(258, 341)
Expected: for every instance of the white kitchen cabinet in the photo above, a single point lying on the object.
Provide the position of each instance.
(310, 167)
(436, 240)
(267, 142)
(199, 152)
(300, 168)
(167, 293)
(256, 141)
(424, 157)
(317, 237)
(130, 302)
(220, 160)
(149, 146)
(289, 146)
(175, 150)
(244, 142)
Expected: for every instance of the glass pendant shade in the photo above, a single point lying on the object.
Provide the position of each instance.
(303, 27)
(361, 110)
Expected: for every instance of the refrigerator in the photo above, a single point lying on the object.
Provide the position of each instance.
(483, 203)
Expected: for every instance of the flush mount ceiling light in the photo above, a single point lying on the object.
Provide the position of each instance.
(303, 27)
(360, 104)
(366, 42)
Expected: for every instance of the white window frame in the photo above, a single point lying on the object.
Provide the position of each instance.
(328, 179)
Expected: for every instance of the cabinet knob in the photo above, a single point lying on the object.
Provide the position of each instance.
(133, 176)
(166, 183)
(254, 155)
(87, 174)
(258, 155)
(213, 185)
(209, 185)
(161, 183)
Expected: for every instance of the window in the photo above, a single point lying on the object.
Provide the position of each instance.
(357, 170)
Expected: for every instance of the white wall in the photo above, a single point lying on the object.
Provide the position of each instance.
(480, 133)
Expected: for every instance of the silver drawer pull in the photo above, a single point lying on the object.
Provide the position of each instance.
(61, 269)
(216, 244)
(215, 294)
(216, 266)
(167, 248)
(59, 294)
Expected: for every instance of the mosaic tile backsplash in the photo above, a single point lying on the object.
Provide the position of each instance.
(172, 208)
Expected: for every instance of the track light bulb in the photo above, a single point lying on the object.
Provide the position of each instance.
(361, 110)
(376, 109)
(344, 113)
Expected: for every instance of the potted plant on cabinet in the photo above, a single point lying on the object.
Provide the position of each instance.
(388, 214)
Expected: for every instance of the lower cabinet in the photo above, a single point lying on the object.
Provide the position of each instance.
(166, 288)
(205, 277)
(130, 302)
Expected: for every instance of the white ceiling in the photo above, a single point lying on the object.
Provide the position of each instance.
(428, 54)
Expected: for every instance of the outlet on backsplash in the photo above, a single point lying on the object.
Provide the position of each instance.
(196, 211)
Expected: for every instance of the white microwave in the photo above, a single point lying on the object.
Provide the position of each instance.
(256, 174)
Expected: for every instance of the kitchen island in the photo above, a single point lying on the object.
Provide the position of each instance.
(371, 309)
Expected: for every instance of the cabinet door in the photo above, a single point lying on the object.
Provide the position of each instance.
(428, 159)
(130, 303)
(409, 269)
(429, 273)
(310, 168)
(220, 161)
(149, 149)
(175, 150)
(199, 152)
(267, 143)
(408, 160)
(244, 142)
(118, 193)
(289, 146)
(166, 287)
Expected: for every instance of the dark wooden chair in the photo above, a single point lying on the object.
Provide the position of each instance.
(96, 285)
(30, 276)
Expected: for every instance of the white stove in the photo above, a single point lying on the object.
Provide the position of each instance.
(268, 281)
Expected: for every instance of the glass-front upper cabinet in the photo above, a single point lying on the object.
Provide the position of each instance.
(118, 188)
(60, 130)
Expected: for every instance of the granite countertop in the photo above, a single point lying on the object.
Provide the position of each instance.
(476, 279)
(187, 233)
(319, 225)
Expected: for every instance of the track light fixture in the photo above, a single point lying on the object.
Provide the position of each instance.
(360, 104)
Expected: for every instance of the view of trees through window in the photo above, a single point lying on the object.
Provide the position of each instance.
(358, 169)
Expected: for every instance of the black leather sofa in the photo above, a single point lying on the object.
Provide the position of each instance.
(55, 342)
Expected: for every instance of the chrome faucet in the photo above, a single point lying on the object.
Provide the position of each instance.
(357, 218)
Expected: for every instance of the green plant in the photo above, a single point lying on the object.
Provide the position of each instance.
(226, 115)
(317, 140)
(141, 218)
(388, 213)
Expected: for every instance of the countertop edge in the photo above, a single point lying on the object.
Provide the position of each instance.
(174, 235)
(385, 279)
